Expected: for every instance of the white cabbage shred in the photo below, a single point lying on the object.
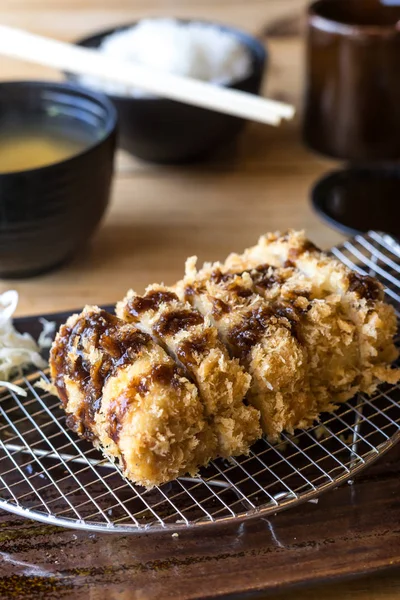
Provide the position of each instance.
(17, 350)
(46, 336)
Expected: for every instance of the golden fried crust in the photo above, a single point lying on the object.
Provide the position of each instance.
(263, 340)
(194, 343)
(306, 263)
(345, 318)
(123, 392)
(342, 323)
(309, 332)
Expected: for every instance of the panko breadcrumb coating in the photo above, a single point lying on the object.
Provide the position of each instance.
(341, 319)
(262, 338)
(124, 393)
(194, 344)
(283, 324)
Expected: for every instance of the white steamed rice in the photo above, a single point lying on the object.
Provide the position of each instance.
(194, 49)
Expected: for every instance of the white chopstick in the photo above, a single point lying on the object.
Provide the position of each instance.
(21, 44)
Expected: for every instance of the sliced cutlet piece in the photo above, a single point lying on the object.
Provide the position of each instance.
(264, 339)
(343, 318)
(194, 343)
(124, 393)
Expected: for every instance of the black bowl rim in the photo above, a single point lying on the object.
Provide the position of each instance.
(326, 180)
(257, 49)
(102, 99)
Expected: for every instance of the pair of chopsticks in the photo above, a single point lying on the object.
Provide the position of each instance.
(21, 44)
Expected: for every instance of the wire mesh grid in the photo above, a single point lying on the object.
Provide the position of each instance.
(49, 474)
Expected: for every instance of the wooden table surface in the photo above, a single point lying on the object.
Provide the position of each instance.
(160, 215)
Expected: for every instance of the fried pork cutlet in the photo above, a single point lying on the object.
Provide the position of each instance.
(263, 339)
(124, 393)
(340, 318)
(162, 390)
(194, 343)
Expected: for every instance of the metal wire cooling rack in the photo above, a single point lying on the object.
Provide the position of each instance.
(49, 474)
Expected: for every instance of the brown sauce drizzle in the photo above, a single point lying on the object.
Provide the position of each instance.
(293, 297)
(193, 290)
(165, 374)
(151, 301)
(244, 336)
(309, 246)
(118, 344)
(364, 286)
(219, 308)
(177, 320)
(218, 277)
(114, 425)
(295, 253)
(262, 269)
(76, 425)
(240, 290)
(234, 287)
(265, 277)
(191, 351)
(116, 413)
(189, 292)
(289, 264)
(291, 314)
(57, 361)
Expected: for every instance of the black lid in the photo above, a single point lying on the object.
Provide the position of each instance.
(360, 198)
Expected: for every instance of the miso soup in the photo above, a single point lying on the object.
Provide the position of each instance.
(35, 141)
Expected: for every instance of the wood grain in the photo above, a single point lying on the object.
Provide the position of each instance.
(352, 529)
(160, 215)
(157, 217)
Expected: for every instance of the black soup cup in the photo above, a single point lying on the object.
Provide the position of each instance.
(47, 214)
(166, 131)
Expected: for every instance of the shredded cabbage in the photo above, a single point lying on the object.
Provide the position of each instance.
(17, 350)
(46, 336)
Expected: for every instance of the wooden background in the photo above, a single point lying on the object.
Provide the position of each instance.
(160, 215)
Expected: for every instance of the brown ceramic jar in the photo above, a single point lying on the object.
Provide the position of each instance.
(352, 90)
